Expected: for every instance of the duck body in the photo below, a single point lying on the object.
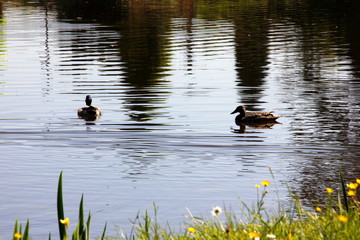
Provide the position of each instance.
(89, 112)
(253, 117)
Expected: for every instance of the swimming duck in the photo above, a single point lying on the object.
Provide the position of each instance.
(89, 112)
(253, 117)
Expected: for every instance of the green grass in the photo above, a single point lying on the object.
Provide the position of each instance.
(338, 218)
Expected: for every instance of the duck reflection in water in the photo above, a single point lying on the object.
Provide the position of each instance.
(89, 112)
(257, 120)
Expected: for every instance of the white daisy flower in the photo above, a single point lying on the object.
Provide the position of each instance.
(216, 211)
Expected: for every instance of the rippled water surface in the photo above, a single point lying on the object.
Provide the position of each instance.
(167, 78)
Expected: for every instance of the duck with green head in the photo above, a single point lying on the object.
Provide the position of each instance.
(253, 117)
(89, 112)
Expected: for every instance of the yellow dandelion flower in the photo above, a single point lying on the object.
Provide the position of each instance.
(352, 185)
(318, 209)
(342, 218)
(257, 186)
(254, 235)
(329, 190)
(17, 235)
(351, 193)
(265, 183)
(191, 230)
(66, 222)
(358, 181)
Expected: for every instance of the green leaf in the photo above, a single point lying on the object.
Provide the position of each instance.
(81, 219)
(75, 235)
(26, 231)
(346, 201)
(88, 227)
(15, 229)
(60, 209)
(103, 234)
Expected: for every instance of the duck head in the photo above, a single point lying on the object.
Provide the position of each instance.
(88, 100)
(239, 109)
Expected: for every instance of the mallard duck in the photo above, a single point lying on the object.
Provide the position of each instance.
(89, 112)
(253, 117)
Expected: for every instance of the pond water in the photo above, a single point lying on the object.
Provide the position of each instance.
(167, 75)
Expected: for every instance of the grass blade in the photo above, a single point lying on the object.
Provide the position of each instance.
(88, 227)
(81, 219)
(15, 229)
(60, 209)
(104, 231)
(26, 231)
(344, 191)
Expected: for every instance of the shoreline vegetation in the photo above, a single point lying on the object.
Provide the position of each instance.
(337, 218)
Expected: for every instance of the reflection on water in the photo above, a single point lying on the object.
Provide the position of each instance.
(251, 52)
(242, 127)
(166, 76)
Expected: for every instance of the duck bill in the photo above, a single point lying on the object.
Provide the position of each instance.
(233, 112)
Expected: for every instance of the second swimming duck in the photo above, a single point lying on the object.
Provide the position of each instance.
(89, 112)
(253, 117)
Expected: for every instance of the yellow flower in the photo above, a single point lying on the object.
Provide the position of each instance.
(351, 193)
(254, 235)
(17, 235)
(318, 209)
(352, 185)
(265, 183)
(329, 190)
(342, 218)
(191, 230)
(257, 186)
(66, 222)
(358, 181)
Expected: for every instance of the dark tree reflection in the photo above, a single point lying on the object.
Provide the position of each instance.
(251, 27)
(144, 29)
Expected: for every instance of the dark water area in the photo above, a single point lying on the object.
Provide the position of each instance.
(166, 75)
